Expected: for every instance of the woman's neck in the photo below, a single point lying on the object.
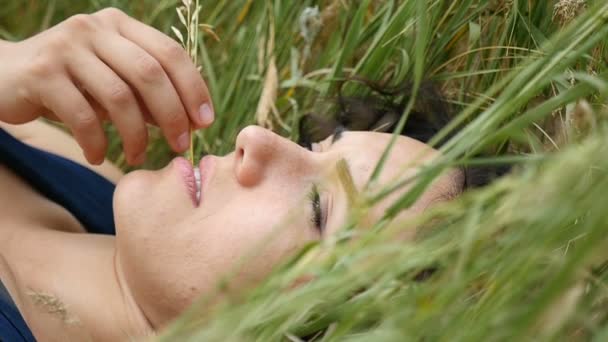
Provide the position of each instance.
(67, 287)
(134, 313)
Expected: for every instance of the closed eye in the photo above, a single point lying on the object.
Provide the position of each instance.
(317, 214)
(313, 196)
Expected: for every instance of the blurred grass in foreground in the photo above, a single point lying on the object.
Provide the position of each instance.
(524, 259)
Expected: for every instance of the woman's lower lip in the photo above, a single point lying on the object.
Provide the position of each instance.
(187, 172)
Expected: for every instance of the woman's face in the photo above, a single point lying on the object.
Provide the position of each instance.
(258, 205)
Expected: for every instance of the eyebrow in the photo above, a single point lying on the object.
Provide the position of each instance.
(337, 134)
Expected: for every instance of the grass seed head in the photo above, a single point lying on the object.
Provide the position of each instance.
(566, 10)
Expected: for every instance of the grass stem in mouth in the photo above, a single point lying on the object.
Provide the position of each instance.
(188, 14)
(191, 152)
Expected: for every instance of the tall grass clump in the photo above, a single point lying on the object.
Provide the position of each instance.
(522, 259)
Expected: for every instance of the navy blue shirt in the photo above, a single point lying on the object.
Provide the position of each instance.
(81, 191)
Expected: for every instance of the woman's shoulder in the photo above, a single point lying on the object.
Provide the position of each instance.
(21, 205)
(49, 188)
(44, 136)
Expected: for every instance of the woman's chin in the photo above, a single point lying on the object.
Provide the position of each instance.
(145, 198)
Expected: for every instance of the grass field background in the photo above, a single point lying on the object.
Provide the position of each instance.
(523, 259)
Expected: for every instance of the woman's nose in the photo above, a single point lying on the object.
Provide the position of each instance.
(259, 150)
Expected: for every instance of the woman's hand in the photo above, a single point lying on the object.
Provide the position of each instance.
(104, 66)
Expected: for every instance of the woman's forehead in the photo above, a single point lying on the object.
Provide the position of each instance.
(363, 150)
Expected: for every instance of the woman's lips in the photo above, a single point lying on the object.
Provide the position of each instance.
(195, 178)
(187, 172)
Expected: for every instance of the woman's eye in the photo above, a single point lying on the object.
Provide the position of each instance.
(315, 201)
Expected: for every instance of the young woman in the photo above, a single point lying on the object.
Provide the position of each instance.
(176, 237)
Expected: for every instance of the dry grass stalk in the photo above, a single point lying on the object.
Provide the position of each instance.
(566, 10)
(271, 85)
(269, 96)
(560, 311)
(581, 120)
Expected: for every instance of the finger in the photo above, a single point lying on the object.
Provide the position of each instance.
(102, 113)
(149, 80)
(74, 110)
(148, 118)
(175, 61)
(50, 115)
(117, 100)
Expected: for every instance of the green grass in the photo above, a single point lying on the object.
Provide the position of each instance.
(524, 259)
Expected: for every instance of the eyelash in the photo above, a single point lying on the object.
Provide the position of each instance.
(314, 197)
(315, 200)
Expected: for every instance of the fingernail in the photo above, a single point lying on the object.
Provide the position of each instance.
(96, 160)
(140, 158)
(206, 114)
(183, 141)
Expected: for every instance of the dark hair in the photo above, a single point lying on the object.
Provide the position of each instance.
(381, 110)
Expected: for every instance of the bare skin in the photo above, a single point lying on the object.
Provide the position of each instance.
(54, 275)
(49, 138)
(99, 67)
(168, 251)
(86, 70)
